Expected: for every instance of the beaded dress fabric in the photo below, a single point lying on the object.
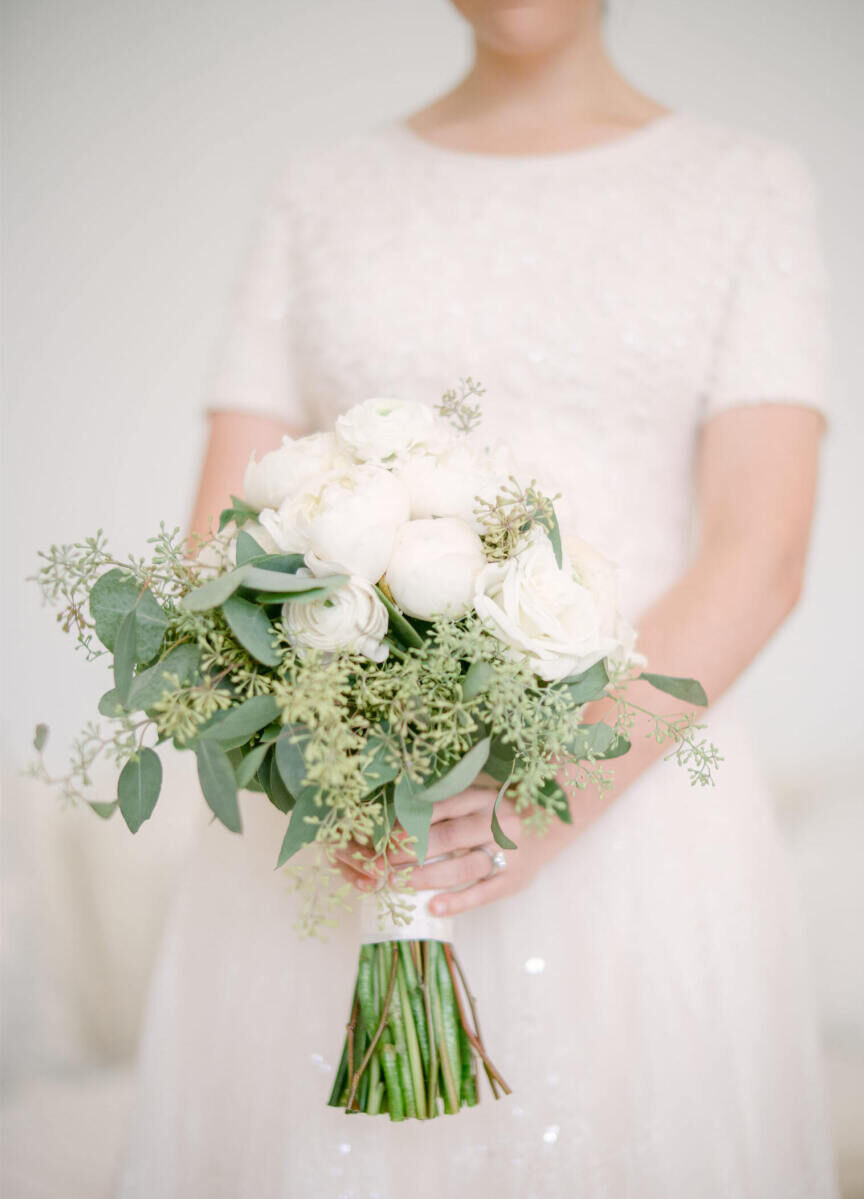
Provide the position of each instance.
(646, 996)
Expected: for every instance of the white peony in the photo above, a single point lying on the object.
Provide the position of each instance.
(382, 430)
(542, 613)
(434, 568)
(600, 576)
(350, 519)
(293, 468)
(350, 618)
(449, 482)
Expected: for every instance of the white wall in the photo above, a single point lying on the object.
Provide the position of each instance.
(139, 138)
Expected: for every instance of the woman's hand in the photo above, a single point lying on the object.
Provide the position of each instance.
(461, 825)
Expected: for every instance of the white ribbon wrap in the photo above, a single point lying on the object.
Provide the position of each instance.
(376, 923)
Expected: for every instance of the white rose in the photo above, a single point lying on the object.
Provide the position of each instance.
(449, 482)
(381, 430)
(292, 468)
(350, 618)
(541, 612)
(351, 519)
(434, 568)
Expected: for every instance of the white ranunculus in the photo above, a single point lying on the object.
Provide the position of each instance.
(382, 430)
(292, 468)
(434, 568)
(350, 519)
(449, 482)
(350, 618)
(542, 613)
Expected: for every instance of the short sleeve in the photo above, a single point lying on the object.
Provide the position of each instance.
(772, 340)
(253, 368)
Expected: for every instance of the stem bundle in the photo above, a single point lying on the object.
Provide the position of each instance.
(409, 1042)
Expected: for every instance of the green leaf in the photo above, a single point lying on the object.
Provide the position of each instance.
(112, 596)
(687, 690)
(460, 776)
(109, 704)
(248, 767)
(247, 548)
(40, 737)
(413, 812)
(277, 792)
(597, 741)
(259, 578)
(218, 784)
(399, 624)
(151, 684)
(553, 530)
(557, 801)
(478, 679)
(124, 655)
(104, 810)
(291, 761)
(215, 592)
(382, 766)
(251, 626)
(240, 723)
(239, 512)
(138, 787)
(582, 688)
(498, 833)
(300, 831)
(277, 598)
(287, 563)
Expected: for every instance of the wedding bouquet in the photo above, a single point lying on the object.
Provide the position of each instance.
(389, 612)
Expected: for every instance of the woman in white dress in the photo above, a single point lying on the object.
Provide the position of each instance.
(642, 295)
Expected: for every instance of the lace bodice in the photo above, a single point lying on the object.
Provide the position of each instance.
(610, 299)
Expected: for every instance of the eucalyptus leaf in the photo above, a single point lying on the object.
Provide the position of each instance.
(104, 810)
(498, 833)
(109, 704)
(218, 784)
(286, 563)
(300, 831)
(216, 591)
(112, 596)
(40, 737)
(245, 772)
(241, 723)
(381, 764)
(247, 548)
(239, 512)
(251, 626)
(182, 662)
(413, 812)
(460, 776)
(277, 792)
(687, 690)
(591, 684)
(557, 800)
(292, 762)
(124, 655)
(138, 787)
(258, 578)
(399, 624)
(477, 679)
(553, 530)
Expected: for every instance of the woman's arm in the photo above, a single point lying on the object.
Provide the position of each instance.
(756, 484)
(232, 438)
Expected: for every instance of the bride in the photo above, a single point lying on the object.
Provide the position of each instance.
(641, 293)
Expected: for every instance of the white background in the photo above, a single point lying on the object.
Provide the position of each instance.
(140, 139)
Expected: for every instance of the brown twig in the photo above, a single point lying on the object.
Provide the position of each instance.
(352, 1092)
(474, 1037)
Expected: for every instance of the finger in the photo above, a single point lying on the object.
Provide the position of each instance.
(464, 832)
(472, 800)
(482, 892)
(362, 881)
(452, 872)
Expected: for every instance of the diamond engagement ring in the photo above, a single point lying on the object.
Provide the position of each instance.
(496, 857)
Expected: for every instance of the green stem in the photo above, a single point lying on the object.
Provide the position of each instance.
(451, 1093)
(412, 1045)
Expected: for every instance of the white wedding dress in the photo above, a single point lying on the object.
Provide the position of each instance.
(645, 997)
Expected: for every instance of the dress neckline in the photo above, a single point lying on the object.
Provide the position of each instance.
(636, 139)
